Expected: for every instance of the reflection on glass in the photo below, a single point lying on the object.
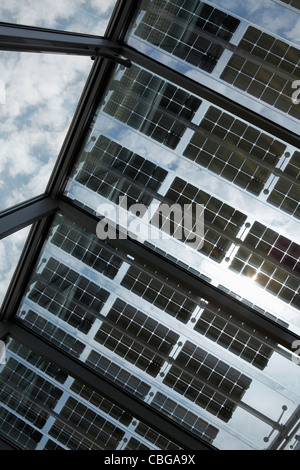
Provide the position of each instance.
(158, 341)
(41, 94)
(10, 250)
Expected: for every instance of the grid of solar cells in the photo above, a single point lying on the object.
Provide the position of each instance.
(53, 333)
(218, 328)
(220, 218)
(134, 444)
(158, 293)
(18, 431)
(259, 81)
(186, 418)
(118, 375)
(252, 262)
(68, 295)
(155, 438)
(114, 171)
(175, 27)
(204, 366)
(87, 248)
(229, 162)
(70, 438)
(22, 408)
(136, 337)
(92, 425)
(292, 3)
(286, 195)
(95, 399)
(26, 381)
(151, 105)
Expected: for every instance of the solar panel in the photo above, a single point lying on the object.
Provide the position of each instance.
(270, 79)
(186, 418)
(220, 218)
(68, 295)
(86, 247)
(178, 27)
(114, 171)
(139, 339)
(159, 294)
(202, 365)
(256, 258)
(149, 104)
(232, 158)
(286, 195)
(215, 324)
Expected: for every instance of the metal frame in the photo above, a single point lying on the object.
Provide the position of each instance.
(39, 211)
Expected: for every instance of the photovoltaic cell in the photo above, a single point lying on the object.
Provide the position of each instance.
(204, 366)
(232, 159)
(286, 195)
(133, 326)
(176, 27)
(271, 85)
(114, 171)
(220, 218)
(151, 105)
(158, 293)
(255, 259)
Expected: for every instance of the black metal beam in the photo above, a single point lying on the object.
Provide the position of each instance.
(211, 95)
(137, 408)
(187, 279)
(25, 214)
(31, 39)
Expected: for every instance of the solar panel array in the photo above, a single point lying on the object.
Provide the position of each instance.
(44, 408)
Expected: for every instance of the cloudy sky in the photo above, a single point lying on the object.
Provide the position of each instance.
(38, 97)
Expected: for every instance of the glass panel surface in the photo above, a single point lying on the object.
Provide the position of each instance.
(40, 95)
(43, 408)
(159, 341)
(10, 250)
(242, 52)
(154, 143)
(82, 16)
